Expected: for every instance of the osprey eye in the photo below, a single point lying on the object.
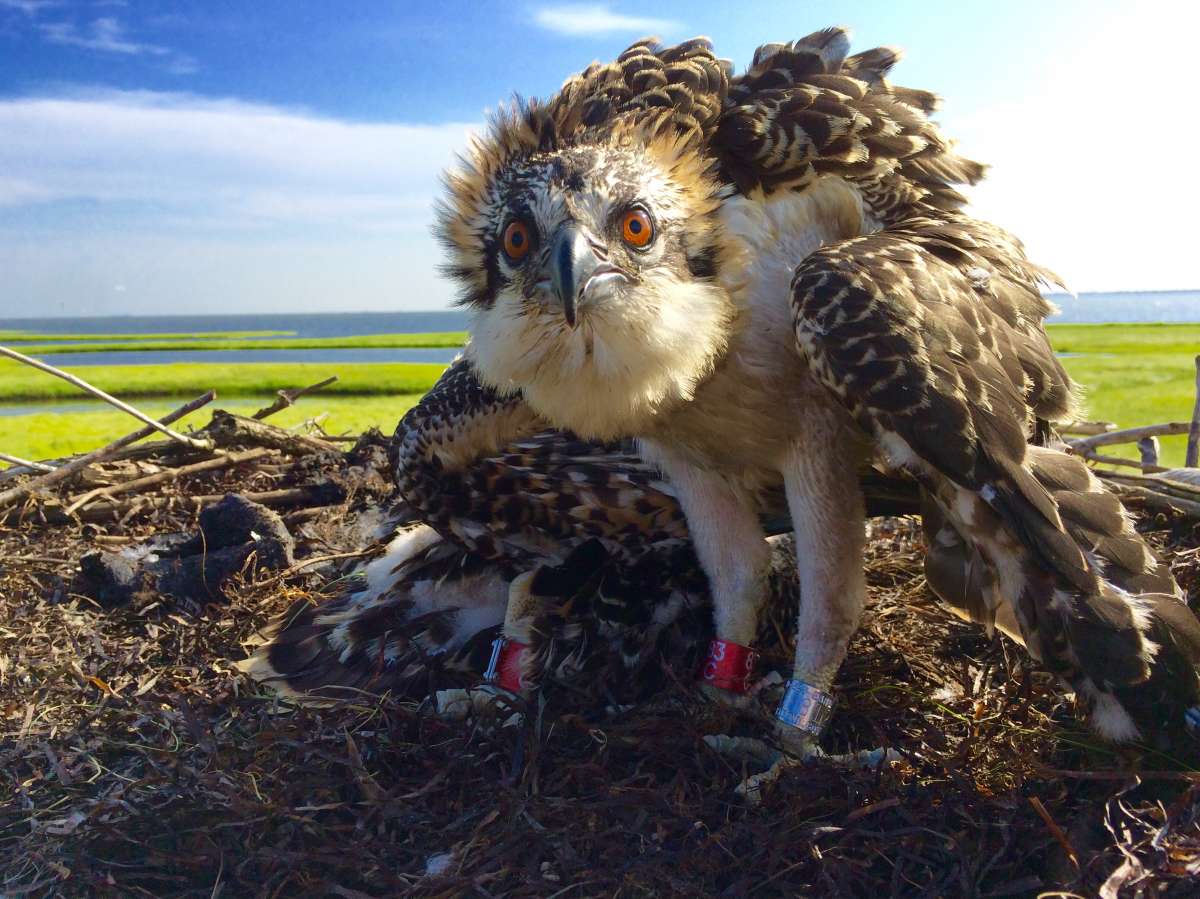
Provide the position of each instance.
(637, 229)
(517, 241)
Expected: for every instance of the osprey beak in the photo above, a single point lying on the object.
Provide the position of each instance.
(572, 262)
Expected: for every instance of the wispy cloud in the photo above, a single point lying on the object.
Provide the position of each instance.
(577, 19)
(30, 7)
(106, 35)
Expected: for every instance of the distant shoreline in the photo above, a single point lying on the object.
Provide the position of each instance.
(1137, 306)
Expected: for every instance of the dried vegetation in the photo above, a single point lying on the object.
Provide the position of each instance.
(134, 760)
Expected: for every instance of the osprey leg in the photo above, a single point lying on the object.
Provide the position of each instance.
(733, 549)
(828, 515)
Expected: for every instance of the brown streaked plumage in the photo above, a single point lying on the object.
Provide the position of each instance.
(421, 615)
(812, 303)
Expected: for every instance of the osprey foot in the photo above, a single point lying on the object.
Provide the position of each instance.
(778, 760)
(801, 717)
(490, 704)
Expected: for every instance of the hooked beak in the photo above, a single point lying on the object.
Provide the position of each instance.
(576, 272)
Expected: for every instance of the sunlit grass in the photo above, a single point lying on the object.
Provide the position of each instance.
(1131, 374)
(50, 435)
(187, 379)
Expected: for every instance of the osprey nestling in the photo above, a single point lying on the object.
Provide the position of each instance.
(767, 280)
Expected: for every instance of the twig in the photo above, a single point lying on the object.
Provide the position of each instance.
(169, 474)
(1157, 484)
(1158, 499)
(25, 463)
(108, 398)
(317, 560)
(77, 464)
(1192, 459)
(317, 495)
(227, 428)
(1087, 427)
(1130, 435)
(1055, 830)
(1121, 460)
(285, 398)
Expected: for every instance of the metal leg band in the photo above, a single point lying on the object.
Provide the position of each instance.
(806, 708)
(504, 667)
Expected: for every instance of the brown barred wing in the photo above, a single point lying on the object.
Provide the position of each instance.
(805, 109)
(482, 470)
(924, 332)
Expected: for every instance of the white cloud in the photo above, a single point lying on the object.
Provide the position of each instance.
(105, 34)
(577, 19)
(221, 199)
(225, 160)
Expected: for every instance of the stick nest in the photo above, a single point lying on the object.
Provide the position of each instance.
(134, 760)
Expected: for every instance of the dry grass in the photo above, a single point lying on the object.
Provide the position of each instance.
(135, 761)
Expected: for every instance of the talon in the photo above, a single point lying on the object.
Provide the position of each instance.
(485, 701)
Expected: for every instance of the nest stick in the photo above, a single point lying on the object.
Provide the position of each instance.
(1087, 427)
(80, 462)
(285, 398)
(169, 474)
(108, 398)
(1129, 435)
(314, 495)
(1192, 459)
(1147, 468)
(25, 463)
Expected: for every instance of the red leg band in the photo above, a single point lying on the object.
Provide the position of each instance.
(504, 669)
(729, 666)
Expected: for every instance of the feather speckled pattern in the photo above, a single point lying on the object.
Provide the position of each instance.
(421, 616)
(801, 299)
(484, 470)
(934, 343)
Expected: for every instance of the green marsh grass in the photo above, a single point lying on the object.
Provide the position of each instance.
(50, 435)
(1130, 374)
(19, 383)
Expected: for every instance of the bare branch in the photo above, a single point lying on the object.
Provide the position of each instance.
(24, 463)
(1129, 435)
(80, 462)
(108, 398)
(285, 398)
(1192, 459)
(1092, 456)
(1086, 427)
(169, 474)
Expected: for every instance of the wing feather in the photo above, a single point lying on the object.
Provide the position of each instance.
(930, 333)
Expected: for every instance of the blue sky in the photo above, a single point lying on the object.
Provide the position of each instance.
(185, 157)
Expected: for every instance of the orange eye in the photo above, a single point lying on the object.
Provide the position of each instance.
(637, 228)
(516, 241)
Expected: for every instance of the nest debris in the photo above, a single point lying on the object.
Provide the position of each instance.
(134, 759)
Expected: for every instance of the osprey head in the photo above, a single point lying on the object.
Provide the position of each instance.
(586, 244)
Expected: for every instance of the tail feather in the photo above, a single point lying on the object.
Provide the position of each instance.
(1092, 600)
(417, 616)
